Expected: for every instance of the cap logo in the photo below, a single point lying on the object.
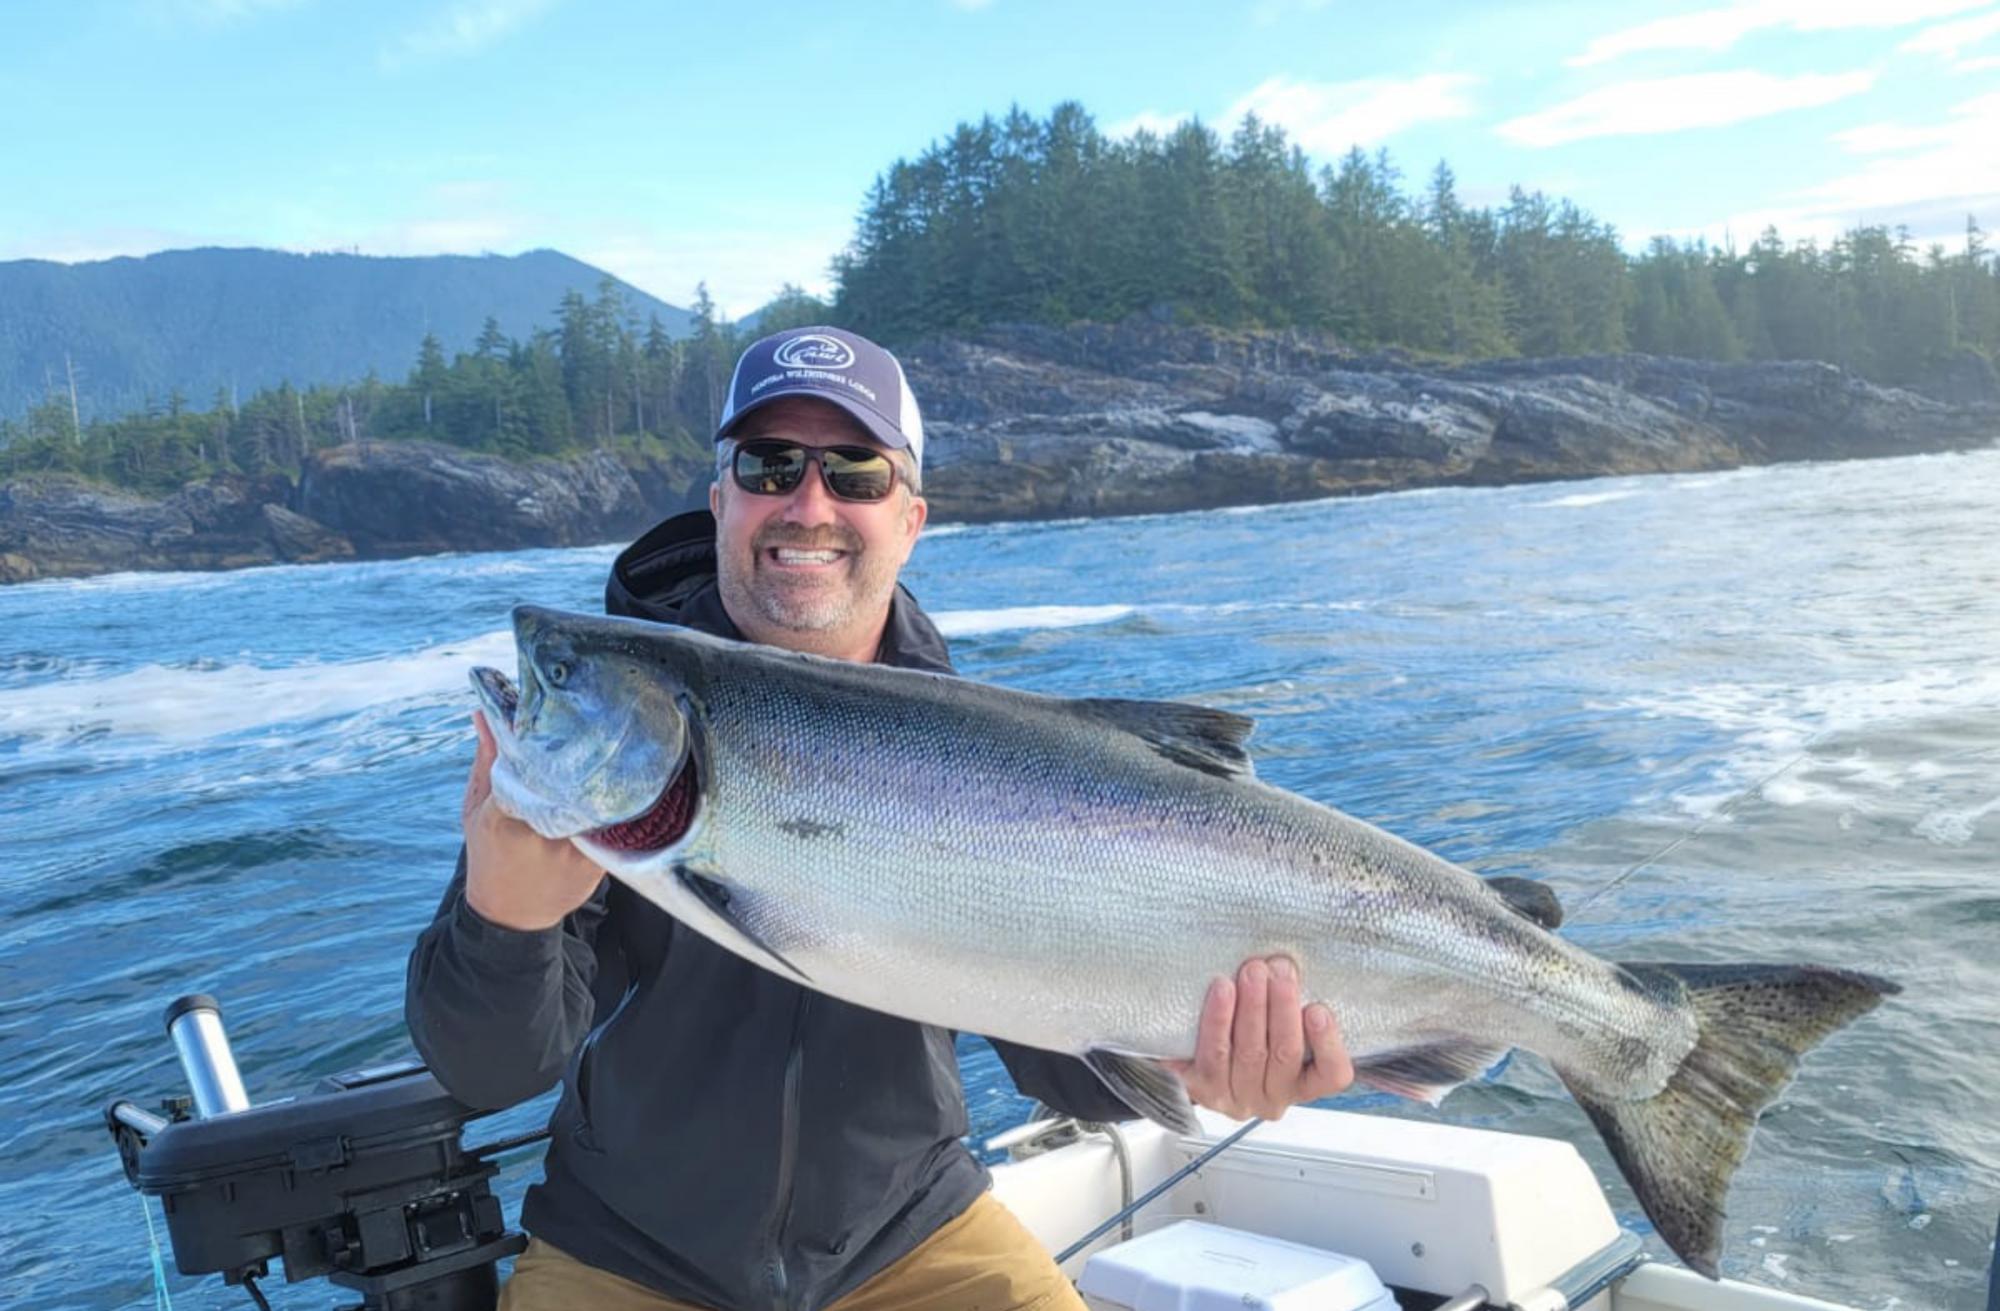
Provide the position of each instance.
(814, 350)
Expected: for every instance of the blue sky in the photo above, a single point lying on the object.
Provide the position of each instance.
(672, 142)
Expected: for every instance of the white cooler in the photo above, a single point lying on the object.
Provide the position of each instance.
(1192, 1266)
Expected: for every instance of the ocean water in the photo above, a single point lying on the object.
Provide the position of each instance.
(248, 783)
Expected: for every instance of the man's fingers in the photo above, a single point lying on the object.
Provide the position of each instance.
(1249, 1040)
(1211, 1051)
(1287, 1038)
(1331, 1070)
(478, 780)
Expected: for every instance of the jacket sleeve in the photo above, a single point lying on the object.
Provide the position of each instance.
(1062, 1083)
(496, 1012)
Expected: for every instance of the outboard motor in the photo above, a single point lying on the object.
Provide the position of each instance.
(363, 1181)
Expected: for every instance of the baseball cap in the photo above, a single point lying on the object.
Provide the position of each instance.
(833, 365)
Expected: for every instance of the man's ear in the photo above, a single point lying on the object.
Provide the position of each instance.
(715, 499)
(919, 512)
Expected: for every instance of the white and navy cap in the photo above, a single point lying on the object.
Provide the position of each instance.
(833, 365)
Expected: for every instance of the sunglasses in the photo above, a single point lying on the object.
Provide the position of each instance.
(851, 473)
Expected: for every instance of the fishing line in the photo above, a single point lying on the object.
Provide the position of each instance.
(1695, 832)
(162, 1299)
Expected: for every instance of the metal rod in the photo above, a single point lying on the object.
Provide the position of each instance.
(1155, 1191)
(195, 1023)
(138, 1118)
(1470, 1300)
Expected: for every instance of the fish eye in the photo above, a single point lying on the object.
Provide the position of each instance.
(558, 673)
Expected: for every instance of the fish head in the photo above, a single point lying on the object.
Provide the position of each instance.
(594, 734)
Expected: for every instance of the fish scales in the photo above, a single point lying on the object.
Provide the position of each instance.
(1072, 874)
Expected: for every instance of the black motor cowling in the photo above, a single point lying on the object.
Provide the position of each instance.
(363, 1181)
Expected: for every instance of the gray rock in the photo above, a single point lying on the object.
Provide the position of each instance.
(301, 540)
(1030, 422)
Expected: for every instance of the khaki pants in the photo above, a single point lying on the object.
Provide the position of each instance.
(983, 1260)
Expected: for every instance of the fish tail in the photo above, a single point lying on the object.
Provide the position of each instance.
(1679, 1147)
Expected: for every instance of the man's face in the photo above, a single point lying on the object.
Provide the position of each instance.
(805, 570)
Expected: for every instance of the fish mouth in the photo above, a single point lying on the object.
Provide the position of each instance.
(497, 696)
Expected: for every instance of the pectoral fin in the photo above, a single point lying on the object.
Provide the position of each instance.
(1146, 1086)
(1425, 1072)
(716, 896)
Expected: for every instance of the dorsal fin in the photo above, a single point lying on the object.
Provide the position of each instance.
(1195, 736)
(1529, 899)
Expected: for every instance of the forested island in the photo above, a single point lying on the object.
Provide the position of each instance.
(1212, 317)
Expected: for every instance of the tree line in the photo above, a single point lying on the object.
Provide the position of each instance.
(597, 378)
(1052, 221)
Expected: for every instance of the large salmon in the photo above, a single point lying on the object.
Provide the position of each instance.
(1071, 874)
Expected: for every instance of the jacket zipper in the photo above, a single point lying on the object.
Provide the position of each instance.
(788, 1141)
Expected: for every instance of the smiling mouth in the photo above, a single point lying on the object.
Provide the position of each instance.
(796, 557)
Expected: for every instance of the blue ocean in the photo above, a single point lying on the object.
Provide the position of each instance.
(1787, 679)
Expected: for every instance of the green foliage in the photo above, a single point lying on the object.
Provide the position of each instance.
(597, 379)
(1053, 222)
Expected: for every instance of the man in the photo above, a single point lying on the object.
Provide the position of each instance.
(725, 1138)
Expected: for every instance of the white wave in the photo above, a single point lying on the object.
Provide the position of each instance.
(1779, 728)
(974, 623)
(156, 704)
(1953, 828)
(1579, 500)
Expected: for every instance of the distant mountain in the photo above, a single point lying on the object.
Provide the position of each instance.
(197, 320)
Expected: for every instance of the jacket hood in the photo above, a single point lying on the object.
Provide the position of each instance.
(668, 576)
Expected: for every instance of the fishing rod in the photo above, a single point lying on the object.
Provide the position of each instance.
(1133, 1207)
(1683, 839)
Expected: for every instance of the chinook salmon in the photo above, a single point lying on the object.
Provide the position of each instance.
(1071, 874)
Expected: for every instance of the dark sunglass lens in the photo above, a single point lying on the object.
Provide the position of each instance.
(858, 474)
(769, 468)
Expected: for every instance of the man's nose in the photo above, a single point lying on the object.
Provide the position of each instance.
(810, 502)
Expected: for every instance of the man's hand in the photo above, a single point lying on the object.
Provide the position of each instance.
(514, 876)
(1252, 1055)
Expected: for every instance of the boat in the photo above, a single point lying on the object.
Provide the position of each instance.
(1446, 1216)
(366, 1181)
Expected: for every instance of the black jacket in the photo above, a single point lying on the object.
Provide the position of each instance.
(724, 1136)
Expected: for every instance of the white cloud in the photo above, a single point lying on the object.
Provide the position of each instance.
(1947, 39)
(1916, 164)
(463, 28)
(1720, 28)
(1675, 104)
(1983, 64)
(969, 6)
(1925, 176)
(1328, 118)
(744, 252)
(1146, 120)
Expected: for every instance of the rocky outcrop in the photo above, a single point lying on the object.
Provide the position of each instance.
(1030, 422)
(367, 499)
(417, 498)
(52, 528)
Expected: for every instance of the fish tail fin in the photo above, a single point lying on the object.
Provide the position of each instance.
(1679, 1147)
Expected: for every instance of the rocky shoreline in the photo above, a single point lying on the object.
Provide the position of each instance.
(1039, 423)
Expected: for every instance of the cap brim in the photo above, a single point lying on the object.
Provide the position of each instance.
(878, 427)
